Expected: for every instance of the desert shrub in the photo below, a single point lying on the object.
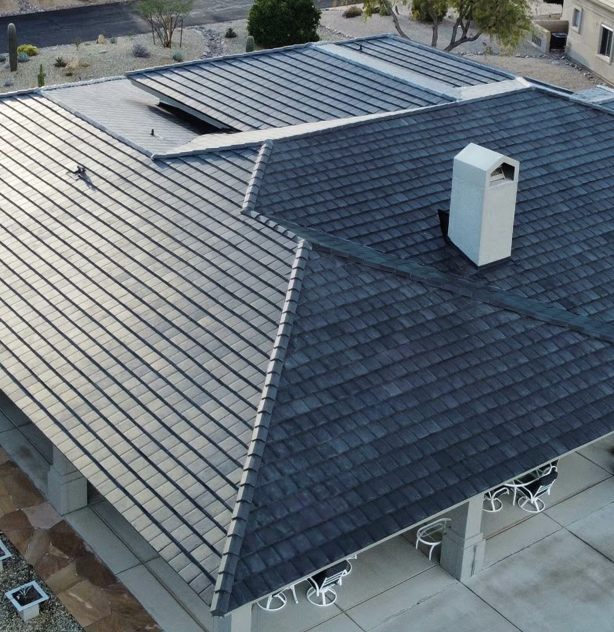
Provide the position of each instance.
(101, 39)
(22, 58)
(140, 50)
(352, 12)
(29, 49)
(283, 22)
(2, 58)
(60, 62)
(177, 56)
(230, 33)
(113, 40)
(420, 13)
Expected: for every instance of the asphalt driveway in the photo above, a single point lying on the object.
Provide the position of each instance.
(52, 28)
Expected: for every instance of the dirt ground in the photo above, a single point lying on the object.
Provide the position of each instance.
(91, 60)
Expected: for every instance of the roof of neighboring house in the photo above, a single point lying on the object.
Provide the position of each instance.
(452, 70)
(131, 113)
(266, 356)
(280, 87)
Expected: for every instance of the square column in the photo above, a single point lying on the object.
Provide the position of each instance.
(239, 620)
(66, 486)
(463, 544)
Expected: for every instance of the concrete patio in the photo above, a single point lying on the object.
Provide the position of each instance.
(548, 571)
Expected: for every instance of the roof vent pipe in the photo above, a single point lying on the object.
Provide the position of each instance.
(483, 204)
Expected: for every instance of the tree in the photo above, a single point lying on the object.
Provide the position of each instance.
(275, 23)
(506, 21)
(164, 16)
(433, 11)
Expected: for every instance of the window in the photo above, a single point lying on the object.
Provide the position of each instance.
(576, 18)
(605, 42)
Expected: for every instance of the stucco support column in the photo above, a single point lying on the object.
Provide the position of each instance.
(462, 548)
(239, 620)
(66, 486)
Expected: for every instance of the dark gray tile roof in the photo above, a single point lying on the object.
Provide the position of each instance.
(280, 87)
(138, 311)
(120, 106)
(453, 70)
(398, 400)
(257, 410)
(562, 249)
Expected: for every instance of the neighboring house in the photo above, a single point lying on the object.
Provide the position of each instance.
(235, 314)
(590, 40)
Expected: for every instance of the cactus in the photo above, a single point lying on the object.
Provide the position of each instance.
(12, 38)
(41, 77)
(249, 45)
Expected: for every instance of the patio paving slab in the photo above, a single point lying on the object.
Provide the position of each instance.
(560, 583)
(340, 623)
(101, 539)
(381, 568)
(456, 608)
(392, 602)
(297, 617)
(518, 537)
(583, 504)
(125, 531)
(601, 452)
(157, 600)
(597, 530)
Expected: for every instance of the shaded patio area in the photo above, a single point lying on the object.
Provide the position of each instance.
(546, 571)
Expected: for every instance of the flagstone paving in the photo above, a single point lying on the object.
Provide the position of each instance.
(89, 591)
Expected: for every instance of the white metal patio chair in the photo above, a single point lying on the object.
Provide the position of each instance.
(530, 495)
(321, 593)
(431, 534)
(276, 601)
(523, 482)
(492, 502)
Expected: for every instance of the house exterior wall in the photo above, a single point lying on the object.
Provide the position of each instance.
(583, 41)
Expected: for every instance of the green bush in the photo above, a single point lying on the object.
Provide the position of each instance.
(420, 13)
(29, 49)
(22, 57)
(230, 33)
(352, 12)
(276, 23)
(113, 40)
(2, 58)
(60, 62)
(177, 56)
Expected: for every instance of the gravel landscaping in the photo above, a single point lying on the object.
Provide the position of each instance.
(53, 616)
(91, 60)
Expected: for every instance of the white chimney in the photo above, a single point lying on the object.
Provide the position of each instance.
(483, 203)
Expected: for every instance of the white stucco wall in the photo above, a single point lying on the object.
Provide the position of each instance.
(583, 43)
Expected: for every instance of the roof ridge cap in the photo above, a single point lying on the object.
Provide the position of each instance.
(446, 281)
(236, 530)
